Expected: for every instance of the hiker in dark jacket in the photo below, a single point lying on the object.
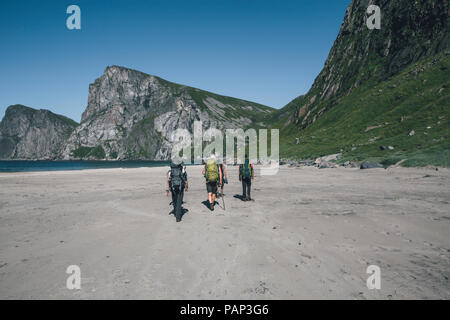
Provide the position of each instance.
(246, 175)
(177, 183)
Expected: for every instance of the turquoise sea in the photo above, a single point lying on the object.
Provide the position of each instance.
(42, 165)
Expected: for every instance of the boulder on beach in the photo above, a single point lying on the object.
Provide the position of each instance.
(331, 157)
(307, 162)
(350, 164)
(327, 164)
(370, 165)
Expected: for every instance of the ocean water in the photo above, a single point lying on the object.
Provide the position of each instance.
(30, 165)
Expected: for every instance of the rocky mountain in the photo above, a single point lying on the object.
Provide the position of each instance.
(131, 115)
(27, 133)
(410, 31)
(383, 94)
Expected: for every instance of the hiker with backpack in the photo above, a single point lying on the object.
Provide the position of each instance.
(246, 175)
(213, 176)
(177, 183)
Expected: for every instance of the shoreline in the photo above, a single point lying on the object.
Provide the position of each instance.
(21, 166)
(283, 166)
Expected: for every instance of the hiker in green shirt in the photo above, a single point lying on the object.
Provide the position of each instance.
(246, 175)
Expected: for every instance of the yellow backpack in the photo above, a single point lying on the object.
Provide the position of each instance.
(211, 171)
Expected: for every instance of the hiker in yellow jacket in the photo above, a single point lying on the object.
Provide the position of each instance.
(213, 178)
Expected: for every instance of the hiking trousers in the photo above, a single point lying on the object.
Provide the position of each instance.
(246, 185)
(177, 200)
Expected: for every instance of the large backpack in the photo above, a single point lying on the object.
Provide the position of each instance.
(211, 171)
(246, 169)
(176, 176)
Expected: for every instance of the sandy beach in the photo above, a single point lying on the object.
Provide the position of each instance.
(310, 234)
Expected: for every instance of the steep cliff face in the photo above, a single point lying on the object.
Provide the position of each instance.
(131, 115)
(383, 94)
(26, 133)
(410, 31)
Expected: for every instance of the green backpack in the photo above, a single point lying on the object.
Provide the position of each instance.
(246, 169)
(211, 171)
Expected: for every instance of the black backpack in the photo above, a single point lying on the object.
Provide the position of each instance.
(176, 176)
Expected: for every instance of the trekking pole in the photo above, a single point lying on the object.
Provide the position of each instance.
(223, 200)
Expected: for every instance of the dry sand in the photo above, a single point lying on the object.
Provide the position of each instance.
(310, 234)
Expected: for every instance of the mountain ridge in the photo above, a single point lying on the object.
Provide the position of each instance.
(27, 133)
(132, 115)
(409, 32)
(414, 36)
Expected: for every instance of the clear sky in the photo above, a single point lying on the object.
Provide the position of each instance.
(264, 51)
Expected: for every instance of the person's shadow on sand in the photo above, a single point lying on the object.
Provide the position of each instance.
(206, 204)
(183, 212)
(239, 196)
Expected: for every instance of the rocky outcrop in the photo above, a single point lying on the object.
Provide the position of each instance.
(132, 115)
(27, 133)
(410, 30)
(370, 165)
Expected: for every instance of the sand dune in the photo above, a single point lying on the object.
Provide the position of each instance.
(309, 233)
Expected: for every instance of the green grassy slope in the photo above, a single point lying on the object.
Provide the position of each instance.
(416, 99)
(235, 108)
(257, 113)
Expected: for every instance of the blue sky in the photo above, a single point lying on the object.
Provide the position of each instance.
(264, 51)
